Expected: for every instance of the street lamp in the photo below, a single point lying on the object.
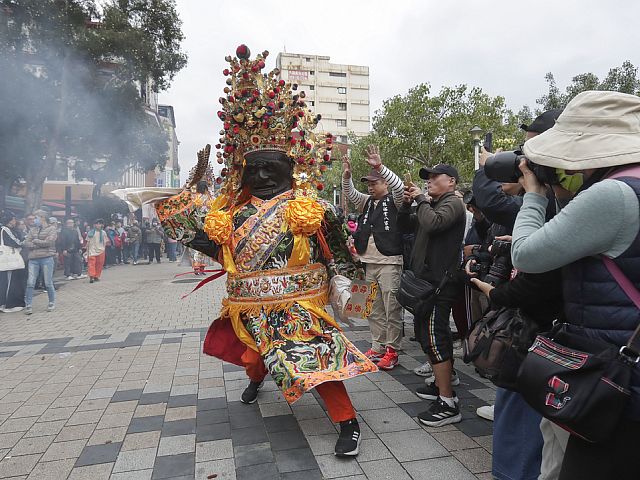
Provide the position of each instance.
(335, 194)
(476, 132)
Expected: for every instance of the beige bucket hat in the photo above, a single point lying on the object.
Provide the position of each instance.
(595, 130)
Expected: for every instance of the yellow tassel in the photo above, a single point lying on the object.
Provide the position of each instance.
(227, 259)
(301, 251)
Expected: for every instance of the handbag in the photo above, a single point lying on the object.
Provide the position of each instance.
(415, 294)
(498, 343)
(10, 258)
(581, 383)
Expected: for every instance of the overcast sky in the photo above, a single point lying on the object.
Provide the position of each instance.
(504, 47)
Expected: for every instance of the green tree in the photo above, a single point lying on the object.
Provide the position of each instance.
(619, 79)
(72, 86)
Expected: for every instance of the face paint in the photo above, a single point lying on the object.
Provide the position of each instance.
(571, 183)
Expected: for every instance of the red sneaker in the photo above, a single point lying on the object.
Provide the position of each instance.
(389, 360)
(374, 356)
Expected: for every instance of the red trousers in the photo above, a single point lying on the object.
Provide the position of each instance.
(334, 394)
(95, 264)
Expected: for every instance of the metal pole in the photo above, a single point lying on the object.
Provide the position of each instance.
(476, 154)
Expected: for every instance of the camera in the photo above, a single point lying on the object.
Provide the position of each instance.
(503, 167)
(493, 267)
(468, 198)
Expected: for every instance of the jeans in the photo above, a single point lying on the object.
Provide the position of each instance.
(37, 265)
(171, 251)
(135, 248)
(517, 440)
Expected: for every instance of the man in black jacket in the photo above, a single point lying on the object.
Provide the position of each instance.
(70, 246)
(438, 222)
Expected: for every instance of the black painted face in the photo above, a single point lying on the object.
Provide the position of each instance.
(267, 174)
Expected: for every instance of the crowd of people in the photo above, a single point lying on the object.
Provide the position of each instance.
(76, 249)
(532, 242)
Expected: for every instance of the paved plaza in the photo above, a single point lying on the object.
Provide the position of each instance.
(113, 385)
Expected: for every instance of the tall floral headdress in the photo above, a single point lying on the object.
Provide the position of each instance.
(261, 112)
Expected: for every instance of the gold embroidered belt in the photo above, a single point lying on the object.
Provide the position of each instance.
(278, 286)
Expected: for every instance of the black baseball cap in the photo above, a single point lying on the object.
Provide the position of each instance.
(543, 122)
(441, 168)
(372, 176)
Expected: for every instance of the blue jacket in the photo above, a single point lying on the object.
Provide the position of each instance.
(596, 303)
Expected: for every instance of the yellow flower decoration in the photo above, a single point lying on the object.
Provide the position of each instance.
(304, 216)
(218, 226)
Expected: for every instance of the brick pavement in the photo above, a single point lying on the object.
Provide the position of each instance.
(112, 385)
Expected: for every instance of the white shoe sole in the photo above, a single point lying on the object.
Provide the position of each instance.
(424, 374)
(425, 396)
(486, 417)
(443, 422)
(352, 453)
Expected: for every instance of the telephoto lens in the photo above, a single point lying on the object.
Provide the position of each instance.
(503, 167)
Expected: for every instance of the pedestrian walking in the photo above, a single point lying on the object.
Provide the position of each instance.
(41, 241)
(98, 241)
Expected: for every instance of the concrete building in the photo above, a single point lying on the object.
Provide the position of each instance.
(340, 93)
(170, 177)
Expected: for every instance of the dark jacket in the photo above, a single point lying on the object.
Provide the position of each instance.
(439, 228)
(496, 205)
(69, 240)
(154, 234)
(383, 226)
(597, 306)
(134, 234)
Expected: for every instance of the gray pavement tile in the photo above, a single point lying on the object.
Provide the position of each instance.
(215, 450)
(150, 398)
(81, 418)
(76, 432)
(388, 420)
(137, 441)
(239, 407)
(8, 440)
(454, 440)
(244, 420)
(126, 395)
(370, 449)
(179, 427)
(31, 445)
(64, 450)
(445, 467)
(477, 460)
(177, 444)
(107, 435)
(295, 460)
(182, 400)
(208, 433)
(174, 465)
(211, 404)
(17, 425)
(412, 445)
(100, 471)
(485, 442)
(53, 414)
(316, 426)
(92, 405)
(180, 413)
(267, 471)
(30, 411)
(128, 406)
(248, 436)
(334, 467)
(287, 440)
(115, 420)
(45, 428)
(95, 393)
(135, 460)
(134, 475)
(210, 417)
(54, 470)
(94, 454)
(305, 412)
(315, 474)
(222, 469)
(22, 465)
(255, 454)
(388, 469)
(370, 400)
(182, 390)
(476, 427)
(145, 424)
(414, 408)
(151, 410)
(274, 409)
(325, 444)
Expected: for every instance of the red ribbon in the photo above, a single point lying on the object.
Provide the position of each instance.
(218, 273)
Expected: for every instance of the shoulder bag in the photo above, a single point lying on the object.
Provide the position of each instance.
(10, 258)
(581, 383)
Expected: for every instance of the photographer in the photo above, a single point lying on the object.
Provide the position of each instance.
(439, 223)
(596, 137)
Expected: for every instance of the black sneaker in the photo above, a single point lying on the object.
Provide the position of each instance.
(428, 392)
(250, 393)
(439, 414)
(349, 439)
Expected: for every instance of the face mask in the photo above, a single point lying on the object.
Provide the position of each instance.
(37, 222)
(571, 183)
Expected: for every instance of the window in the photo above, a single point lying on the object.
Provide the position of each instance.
(342, 139)
(312, 87)
(307, 59)
(342, 107)
(312, 72)
(341, 122)
(337, 74)
(313, 104)
(342, 90)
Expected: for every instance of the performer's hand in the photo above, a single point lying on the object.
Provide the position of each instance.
(373, 157)
(346, 168)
